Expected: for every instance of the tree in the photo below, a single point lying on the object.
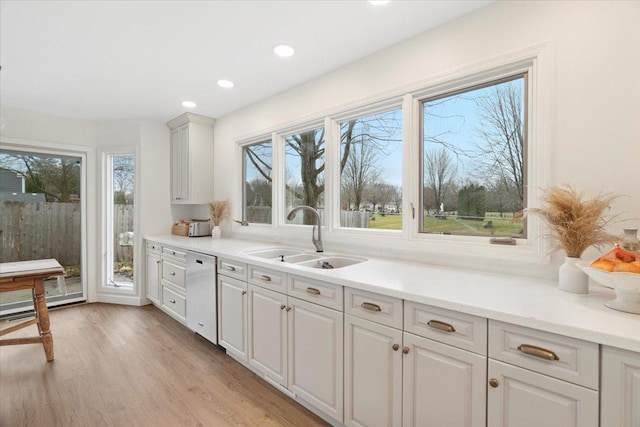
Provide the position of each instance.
(439, 172)
(501, 157)
(123, 178)
(397, 199)
(359, 172)
(57, 178)
(381, 193)
(472, 201)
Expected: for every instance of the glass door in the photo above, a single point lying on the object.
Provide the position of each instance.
(41, 209)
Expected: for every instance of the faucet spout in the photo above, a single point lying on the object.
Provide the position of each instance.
(317, 242)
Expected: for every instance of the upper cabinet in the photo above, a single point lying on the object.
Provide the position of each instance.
(191, 159)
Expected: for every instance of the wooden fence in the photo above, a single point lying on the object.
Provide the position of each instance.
(37, 230)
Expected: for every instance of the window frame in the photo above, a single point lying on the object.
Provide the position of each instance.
(244, 206)
(472, 87)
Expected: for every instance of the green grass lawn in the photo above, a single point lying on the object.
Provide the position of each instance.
(501, 227)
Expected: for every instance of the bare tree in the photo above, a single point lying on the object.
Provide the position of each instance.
(123, 178)
(397, 198)
(501, 157)
(360, 171)
(439, 172)
(381, 193)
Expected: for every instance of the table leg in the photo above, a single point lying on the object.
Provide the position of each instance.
(43, 319)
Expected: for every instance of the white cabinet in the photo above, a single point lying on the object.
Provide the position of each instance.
(540, 378)
(153, 271)
(232, 316)
(620, 393)
(442, 385)
(268, 333)
(316, 355)
(191, 159)
(372, 373)
(519, 397)
(172, 278)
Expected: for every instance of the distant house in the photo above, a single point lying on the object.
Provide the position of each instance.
(12, 188)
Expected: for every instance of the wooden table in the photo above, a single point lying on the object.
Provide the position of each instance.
(31, 275)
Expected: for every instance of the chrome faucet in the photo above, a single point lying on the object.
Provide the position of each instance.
(316, 242)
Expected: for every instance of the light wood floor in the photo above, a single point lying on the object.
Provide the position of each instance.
(133, 366)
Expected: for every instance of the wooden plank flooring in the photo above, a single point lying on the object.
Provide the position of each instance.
(133, 366)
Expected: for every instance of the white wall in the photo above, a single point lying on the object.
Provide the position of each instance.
(594, 136)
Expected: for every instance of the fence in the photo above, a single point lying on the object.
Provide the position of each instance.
(37, 230)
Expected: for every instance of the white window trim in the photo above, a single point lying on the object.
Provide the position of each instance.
(535, 249)
(106, 260)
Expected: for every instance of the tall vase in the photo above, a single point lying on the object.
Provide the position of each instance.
(216, 233)
(571, 278)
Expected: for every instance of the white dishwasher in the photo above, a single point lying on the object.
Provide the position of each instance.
(201, 295)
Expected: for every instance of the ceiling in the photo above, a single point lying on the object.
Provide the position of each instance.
(105, 60)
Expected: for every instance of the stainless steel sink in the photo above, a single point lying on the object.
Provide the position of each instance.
(332, 262)
(275, 253)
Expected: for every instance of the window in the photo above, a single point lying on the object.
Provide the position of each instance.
(371, 171)
(120, 219)
(473, 160)
(304, 173)
(258, 182)
(42, 214)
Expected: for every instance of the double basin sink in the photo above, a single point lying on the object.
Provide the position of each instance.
(305, 259)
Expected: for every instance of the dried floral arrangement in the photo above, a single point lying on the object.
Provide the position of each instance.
(576, 222)
(218, 210)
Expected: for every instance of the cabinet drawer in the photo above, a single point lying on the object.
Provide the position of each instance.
(174, 253)
(450, 327)
(315, 291)
(270, 279)
(235, 269)
(374, 307)
(154, 247)
(174, 302)
(554, 355)
(173, 273)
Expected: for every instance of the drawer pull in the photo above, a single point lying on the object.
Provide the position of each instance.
(244, 292)
(542, 353)
(441, 326)
(370, 306)
(313, 291)
(172, 273)
(230, 268)
(282, 307)
(201, 324)
(173, 252)
(172, 301)
(493, 382)
(288, 308)
(405, 350)
(395, 347)
(265, 278)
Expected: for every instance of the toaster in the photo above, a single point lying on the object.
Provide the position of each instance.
(200, 228)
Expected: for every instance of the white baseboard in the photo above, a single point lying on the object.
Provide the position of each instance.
(122, 299)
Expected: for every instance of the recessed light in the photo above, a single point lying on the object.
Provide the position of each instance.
(189, 104)
(227, 84)
(284, 50)
(379, 2)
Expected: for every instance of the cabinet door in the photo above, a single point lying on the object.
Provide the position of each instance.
(620, 393)
(372, 374)
(153, 277)
(232, 316)
(316, 356)
(442, 385)
(180, 165)
(267, 333)
(527, 399)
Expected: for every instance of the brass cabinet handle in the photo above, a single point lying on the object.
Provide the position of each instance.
(231, 268)
(540, 352)
(313, 291)
(395, 347)
(288, 308)
(265, 278)
(282, 307)
(493, 382)
(405, 350)
(172, 301)
(172, 273)
(370, 306)
(441, 326)
(244, 292)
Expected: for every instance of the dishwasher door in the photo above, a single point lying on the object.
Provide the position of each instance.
(202, 307)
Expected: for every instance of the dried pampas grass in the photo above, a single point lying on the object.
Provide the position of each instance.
(576, 223)
(218, 210)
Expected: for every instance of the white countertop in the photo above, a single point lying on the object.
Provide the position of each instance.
(522, 301)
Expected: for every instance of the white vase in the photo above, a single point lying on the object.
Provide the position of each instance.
(571, 278)
(216, 233)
